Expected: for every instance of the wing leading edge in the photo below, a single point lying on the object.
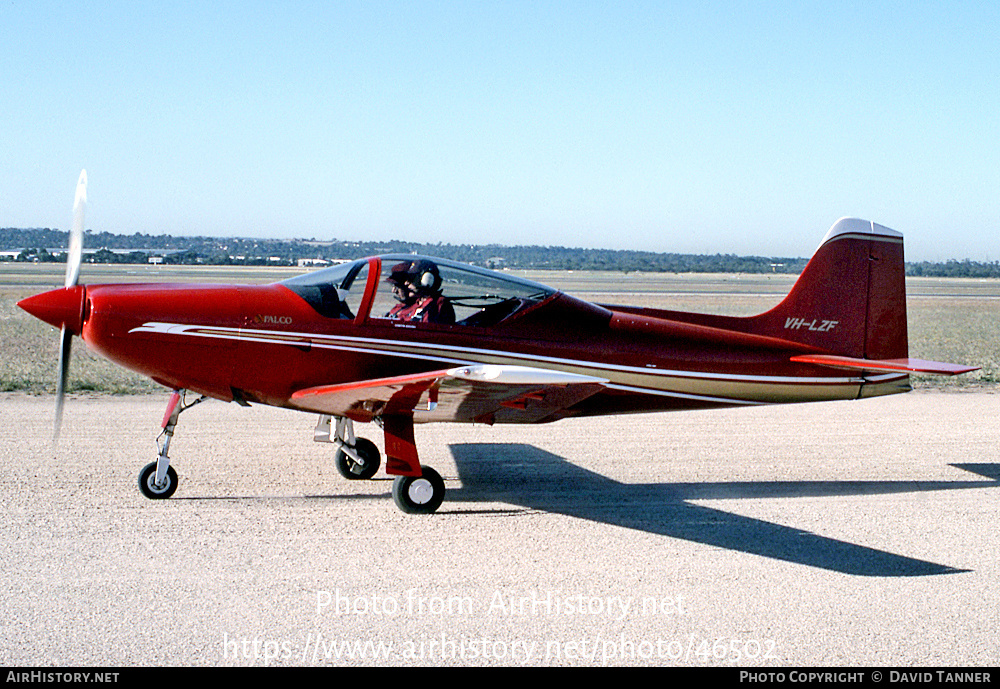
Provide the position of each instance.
(482, 393)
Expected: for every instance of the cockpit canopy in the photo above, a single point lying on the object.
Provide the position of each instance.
(479, 297)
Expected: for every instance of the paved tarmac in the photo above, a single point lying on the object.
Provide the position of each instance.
(844, 534)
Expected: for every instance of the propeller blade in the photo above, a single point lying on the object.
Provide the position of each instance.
(65, 347)
(73, 258)
(75, 254)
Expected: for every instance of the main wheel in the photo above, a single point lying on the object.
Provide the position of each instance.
(147, 482)
(350, 469)
(419, 494)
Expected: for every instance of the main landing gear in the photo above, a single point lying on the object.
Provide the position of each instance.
(416, 489)
(158, 480)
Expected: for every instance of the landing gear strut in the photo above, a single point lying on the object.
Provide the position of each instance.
(158, 480)
(417, 489)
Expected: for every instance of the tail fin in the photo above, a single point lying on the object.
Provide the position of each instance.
(851, 298)
(851, 302)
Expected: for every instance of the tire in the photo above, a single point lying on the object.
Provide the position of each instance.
(419, 494)
(353, 471)
(148, 475)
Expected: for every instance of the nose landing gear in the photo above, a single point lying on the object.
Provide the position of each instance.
(158, 480)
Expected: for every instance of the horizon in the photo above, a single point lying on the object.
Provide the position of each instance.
(60, 251)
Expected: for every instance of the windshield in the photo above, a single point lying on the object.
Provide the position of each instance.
(436, 290)
(334, 292)
(420, 289)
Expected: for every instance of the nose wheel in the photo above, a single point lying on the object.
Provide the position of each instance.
(152, 490)
(419, 494)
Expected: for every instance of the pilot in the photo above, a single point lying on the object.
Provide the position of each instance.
(416, 285)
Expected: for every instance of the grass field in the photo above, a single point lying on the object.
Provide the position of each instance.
(956, 320)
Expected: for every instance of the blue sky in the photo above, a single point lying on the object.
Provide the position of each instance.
(733, 127)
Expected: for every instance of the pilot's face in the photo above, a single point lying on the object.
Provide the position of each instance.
(404, 292)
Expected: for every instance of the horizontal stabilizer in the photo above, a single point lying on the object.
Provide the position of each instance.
(885, 365)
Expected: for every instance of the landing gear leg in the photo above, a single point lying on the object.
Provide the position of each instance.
(158, 480)
(416, 489)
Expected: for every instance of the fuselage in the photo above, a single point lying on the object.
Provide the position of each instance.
(262, 343)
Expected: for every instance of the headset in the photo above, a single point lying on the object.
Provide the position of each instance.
(423, 274)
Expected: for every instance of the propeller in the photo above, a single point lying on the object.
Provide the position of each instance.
(73, 259)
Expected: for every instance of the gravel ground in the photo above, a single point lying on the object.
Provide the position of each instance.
(858, 534)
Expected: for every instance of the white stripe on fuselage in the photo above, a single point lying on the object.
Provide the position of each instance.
(450, 354)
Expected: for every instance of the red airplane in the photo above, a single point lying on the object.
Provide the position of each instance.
(400, 340)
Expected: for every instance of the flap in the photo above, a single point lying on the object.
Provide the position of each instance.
(483, 393)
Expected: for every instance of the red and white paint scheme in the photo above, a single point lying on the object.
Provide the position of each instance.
(514, 351)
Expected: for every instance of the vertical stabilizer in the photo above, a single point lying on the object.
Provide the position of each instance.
(851, 298)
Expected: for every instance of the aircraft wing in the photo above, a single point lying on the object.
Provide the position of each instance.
(886, 365)
(483, 393)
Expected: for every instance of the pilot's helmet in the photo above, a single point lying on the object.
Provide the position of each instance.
(422, 274)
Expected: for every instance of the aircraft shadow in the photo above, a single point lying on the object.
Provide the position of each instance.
(525, 475)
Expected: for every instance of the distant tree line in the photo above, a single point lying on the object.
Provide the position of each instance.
(954, 269)
(42, 244)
